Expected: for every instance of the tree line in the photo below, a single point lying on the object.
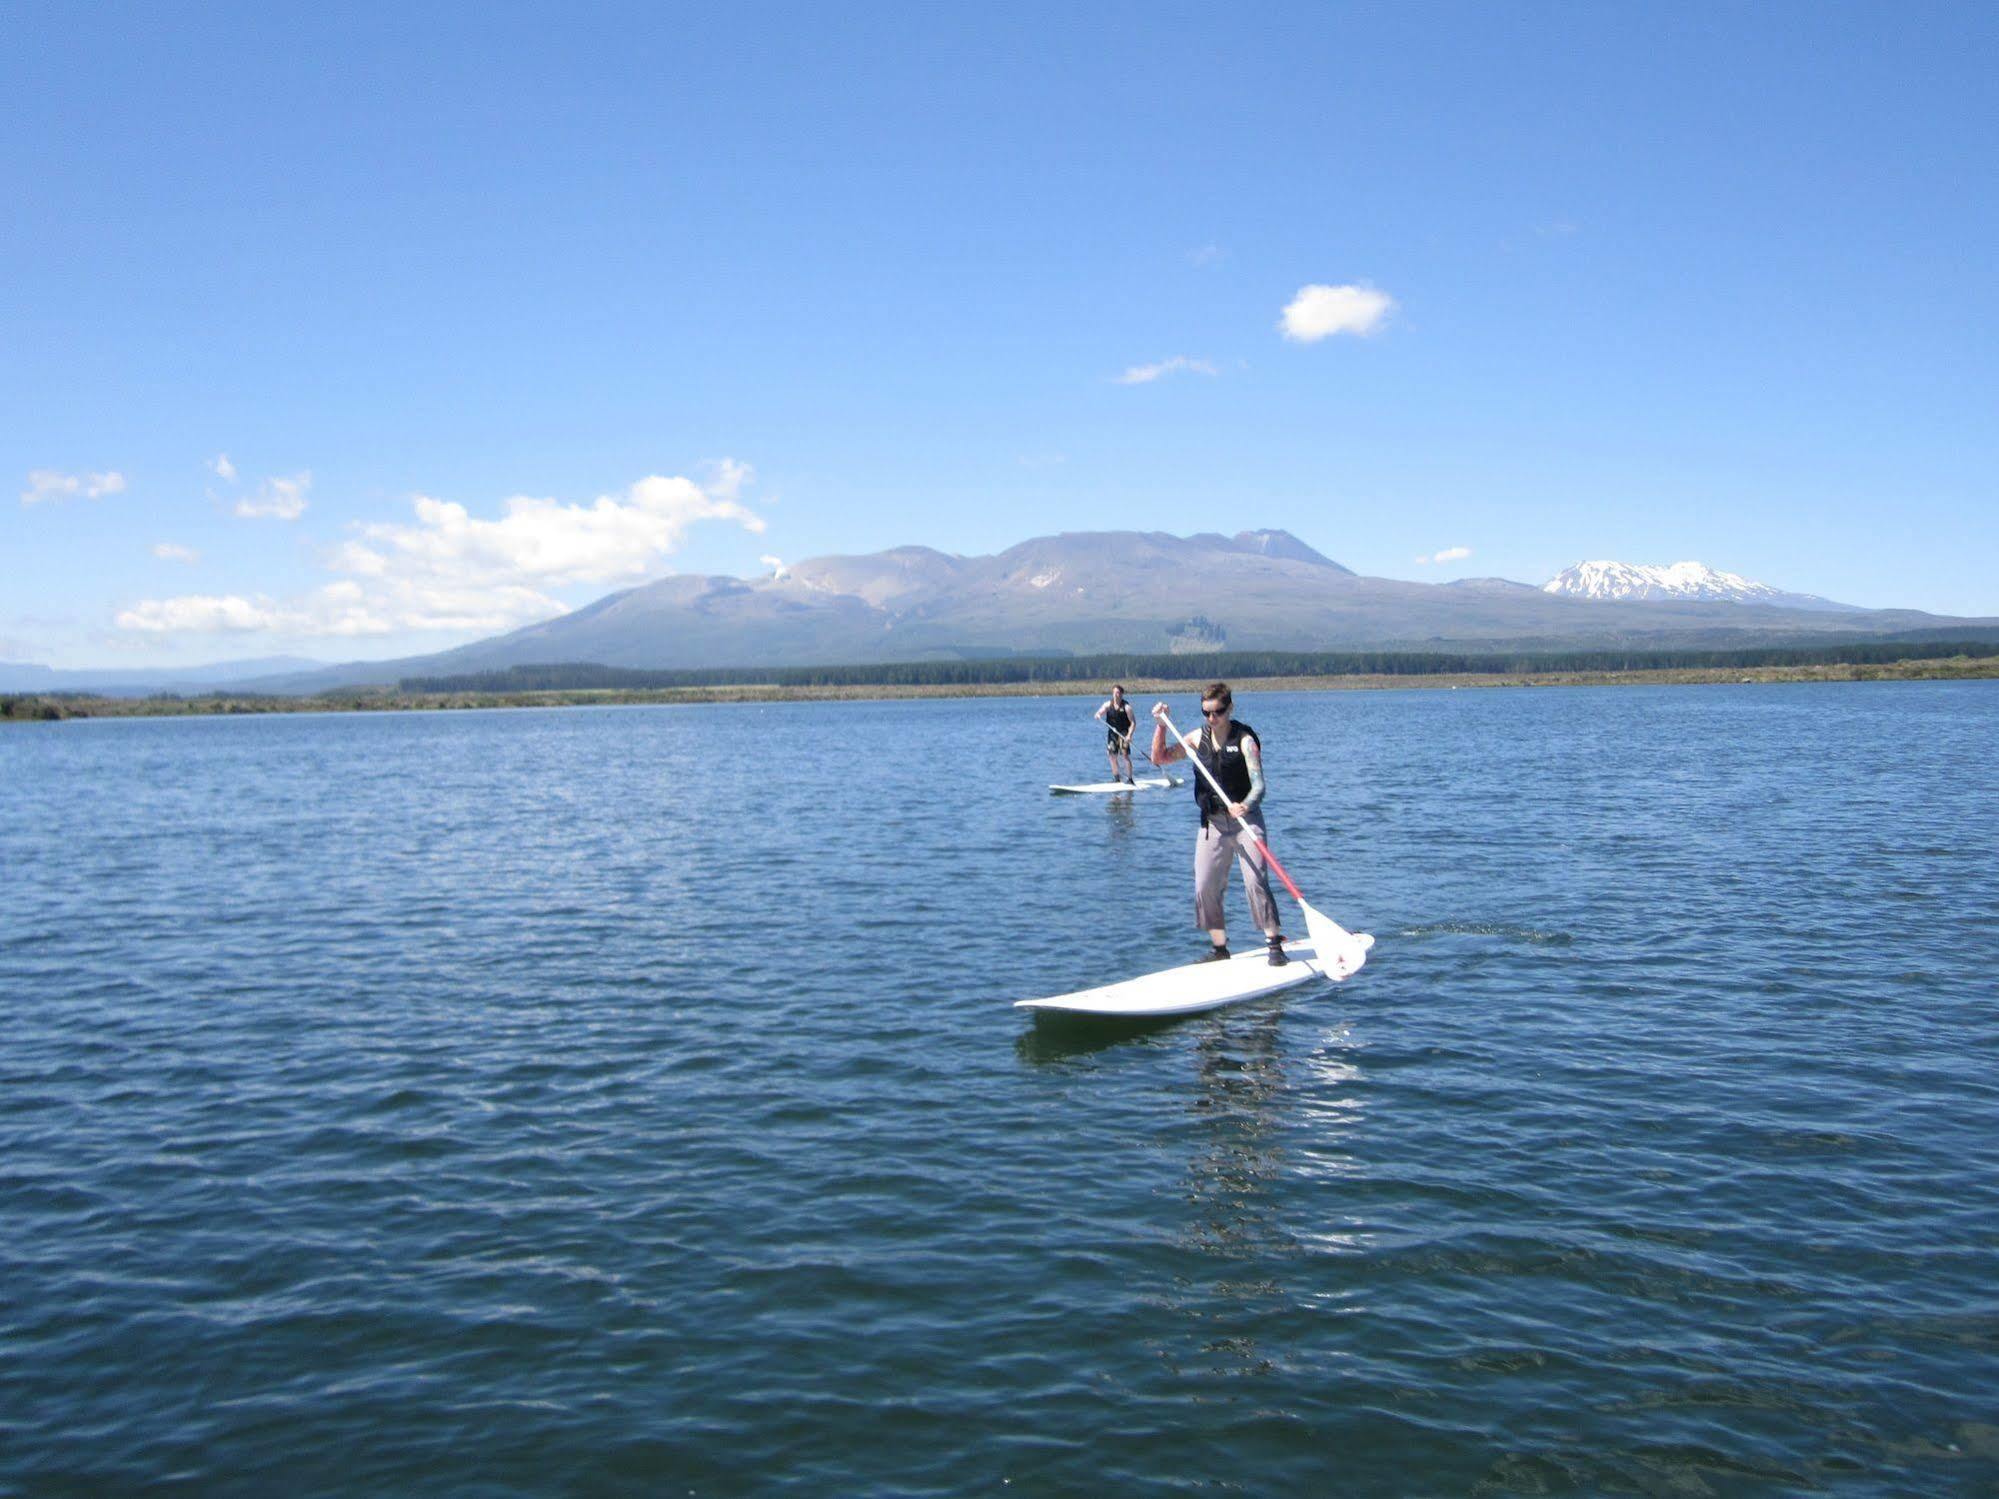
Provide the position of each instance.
(1206, 666)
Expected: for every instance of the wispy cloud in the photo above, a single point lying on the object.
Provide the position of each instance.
(1448, 554)
(1318, 312)
(173, 551)
(46, 486)
(776, 565)
(1179, 364)
(197, 612)
(223, 468)
(1207, 255)
(449, 569)
(339, 609)
(277, 499)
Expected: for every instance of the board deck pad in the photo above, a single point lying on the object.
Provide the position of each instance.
(1106, 788)
(1194, 987)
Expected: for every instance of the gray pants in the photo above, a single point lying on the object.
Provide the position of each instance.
(1222, 842)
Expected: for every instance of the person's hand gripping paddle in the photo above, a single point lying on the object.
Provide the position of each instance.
(1340, 953)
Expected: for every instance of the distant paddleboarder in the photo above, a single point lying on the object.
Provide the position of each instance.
(1234, 756)
(1117, 718)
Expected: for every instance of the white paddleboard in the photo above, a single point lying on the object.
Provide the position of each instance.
(1195, 987)
(1103, 788)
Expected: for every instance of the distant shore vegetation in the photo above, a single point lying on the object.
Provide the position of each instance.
(1187, 667)
(1269, 671)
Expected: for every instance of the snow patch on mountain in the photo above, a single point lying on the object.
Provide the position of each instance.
(1682, 582)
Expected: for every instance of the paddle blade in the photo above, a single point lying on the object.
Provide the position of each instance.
(1340, 952)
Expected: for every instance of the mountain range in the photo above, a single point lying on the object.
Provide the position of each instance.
(138, 681)
(1137, 591)
(1087, 592)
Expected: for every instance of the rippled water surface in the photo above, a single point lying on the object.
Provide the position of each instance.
(630, 1100)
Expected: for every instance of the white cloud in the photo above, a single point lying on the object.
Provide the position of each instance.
(45, 484)
(277, 499)
(196, 611)
(352, 557)
(452, 570)
(1321, 311)
(1448, 554)
(1207, 255)
(339, 609)
(221, 465)
(778, 570)
(541, 543)
(727, 478)
(1145, 374)
(173, 551)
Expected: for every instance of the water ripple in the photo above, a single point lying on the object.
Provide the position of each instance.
(589, 1101)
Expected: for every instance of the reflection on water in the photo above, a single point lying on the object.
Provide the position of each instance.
(1330, 1106)
(1234, 1222)
(1056, 1037)
(1123, 816)
(1264, 1121)
(1240, 1071)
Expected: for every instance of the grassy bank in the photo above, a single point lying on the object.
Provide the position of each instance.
(54, 706)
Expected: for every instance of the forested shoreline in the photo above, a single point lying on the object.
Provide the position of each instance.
(1189, 667)
(1970, 661)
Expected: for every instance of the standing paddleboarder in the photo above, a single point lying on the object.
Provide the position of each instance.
(1117, 718)
(1234, 756)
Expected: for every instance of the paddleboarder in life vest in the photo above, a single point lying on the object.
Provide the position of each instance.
(1234, 756)
(1117, 717)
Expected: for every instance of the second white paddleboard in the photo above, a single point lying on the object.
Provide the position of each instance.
(1193, 987)
(1104, 788)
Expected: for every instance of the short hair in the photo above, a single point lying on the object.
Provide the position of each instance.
(1117, 687)
(1219, 692)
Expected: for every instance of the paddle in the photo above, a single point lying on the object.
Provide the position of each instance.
(1125, 739)
(1340, 952)
(1130, 748)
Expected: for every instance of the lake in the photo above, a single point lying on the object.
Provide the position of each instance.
(630, 1100)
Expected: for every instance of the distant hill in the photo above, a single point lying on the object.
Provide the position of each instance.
(1091, 592)
(127, 681)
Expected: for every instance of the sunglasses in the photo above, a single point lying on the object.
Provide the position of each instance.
(1214, 713)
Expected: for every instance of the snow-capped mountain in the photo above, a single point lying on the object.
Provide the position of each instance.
(1690, 582)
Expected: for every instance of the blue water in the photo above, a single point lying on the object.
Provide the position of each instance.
(629, 1100)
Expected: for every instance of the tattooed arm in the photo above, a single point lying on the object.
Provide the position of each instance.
(1252, 754)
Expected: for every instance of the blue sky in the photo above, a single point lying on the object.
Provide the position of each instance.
(1679, 281)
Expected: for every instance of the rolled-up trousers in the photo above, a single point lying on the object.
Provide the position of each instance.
(1221, 844)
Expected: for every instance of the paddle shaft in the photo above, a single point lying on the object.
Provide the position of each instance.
(1216, 787)
(1129, 747)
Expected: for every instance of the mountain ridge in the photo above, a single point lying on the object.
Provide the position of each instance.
(140, 681)
(1087, 592)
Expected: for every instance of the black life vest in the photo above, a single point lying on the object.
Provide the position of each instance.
(1118, 718)
(1228, 765)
